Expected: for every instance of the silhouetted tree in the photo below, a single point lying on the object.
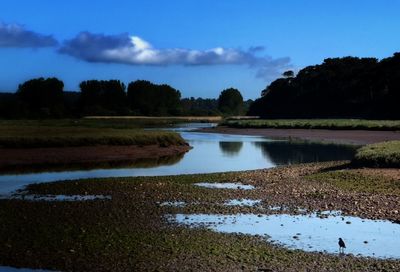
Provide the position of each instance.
(42, 97)
(230, 101)
(146, 98)
(288, 73)
(101, 97)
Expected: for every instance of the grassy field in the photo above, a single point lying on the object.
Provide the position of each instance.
(344, 124)
(130, 231)
(62, 133)
(385, 154)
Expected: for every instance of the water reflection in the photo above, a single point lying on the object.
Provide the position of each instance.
(364, 237)
(135, 163)
(230, 148)
(292, 152)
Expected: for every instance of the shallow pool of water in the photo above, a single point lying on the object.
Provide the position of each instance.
(224, 185)
(244, 202)
(58, 197)
(173, 204)
(363, 237)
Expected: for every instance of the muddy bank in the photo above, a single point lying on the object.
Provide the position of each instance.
(25, 159)
(358, 137)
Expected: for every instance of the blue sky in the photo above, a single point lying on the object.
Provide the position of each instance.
(197, 46)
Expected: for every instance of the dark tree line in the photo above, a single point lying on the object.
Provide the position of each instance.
(45, 98)
(339, 87)
(199, 106)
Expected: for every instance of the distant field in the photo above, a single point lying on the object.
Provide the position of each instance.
(163, 118)
(54, 133)
(339, 124)
(385, 154)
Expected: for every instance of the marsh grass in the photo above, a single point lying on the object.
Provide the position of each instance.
(29, 136)
(385, 154)
(338, 124)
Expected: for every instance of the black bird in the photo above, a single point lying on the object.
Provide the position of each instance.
(342, 245)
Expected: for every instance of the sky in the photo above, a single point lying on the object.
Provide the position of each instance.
(199, 47)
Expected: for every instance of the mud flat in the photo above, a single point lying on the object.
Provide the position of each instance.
(133, 230)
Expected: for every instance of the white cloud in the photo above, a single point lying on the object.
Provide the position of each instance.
(15, 35)
(133, 50)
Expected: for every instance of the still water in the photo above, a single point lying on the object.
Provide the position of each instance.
(211, 153)
(363, 237)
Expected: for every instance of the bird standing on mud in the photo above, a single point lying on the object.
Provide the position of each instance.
(342, 245)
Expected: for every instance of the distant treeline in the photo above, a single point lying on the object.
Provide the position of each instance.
(45, 98)
(337, 88)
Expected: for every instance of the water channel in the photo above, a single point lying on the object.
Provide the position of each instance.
(211, 153)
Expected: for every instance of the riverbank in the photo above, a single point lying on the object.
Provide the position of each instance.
(33, 145)
(36, 159)
(357, 137)
(131, 231)
(331, 124)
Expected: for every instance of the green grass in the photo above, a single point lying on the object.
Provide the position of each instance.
(17, 135)
(385, 154)
(354, 181)
(339, 124)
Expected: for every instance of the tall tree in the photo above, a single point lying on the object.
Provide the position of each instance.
(146, 98)
(230, 102)
(42, 97)
(103, 97)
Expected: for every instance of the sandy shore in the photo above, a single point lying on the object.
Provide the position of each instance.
(359, 137)
(13, 157)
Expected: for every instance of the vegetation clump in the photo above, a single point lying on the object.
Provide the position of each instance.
(385, 154)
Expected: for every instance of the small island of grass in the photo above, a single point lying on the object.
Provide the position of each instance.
(54, 143)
